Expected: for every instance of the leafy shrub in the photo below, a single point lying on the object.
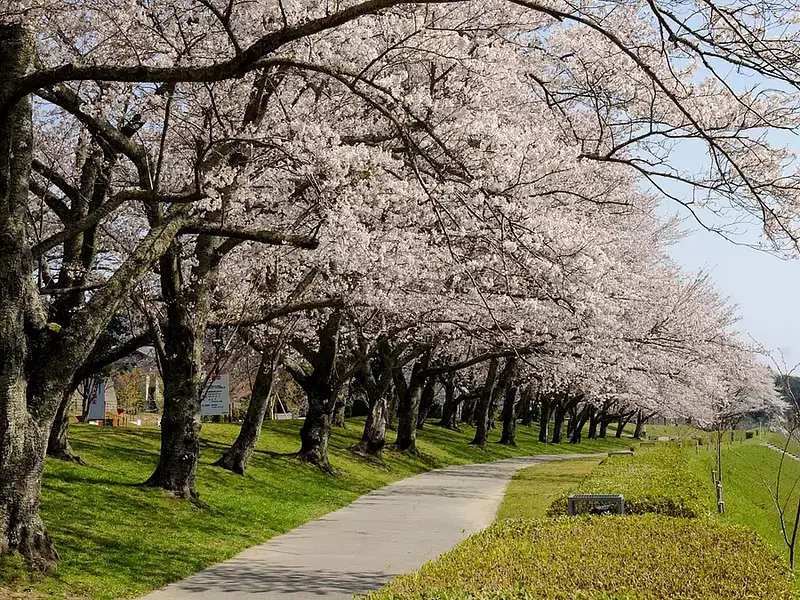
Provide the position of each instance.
(642, 557)
(657, 480)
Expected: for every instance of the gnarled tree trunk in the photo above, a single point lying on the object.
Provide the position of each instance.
(426, 401)
(373, 439)
(544, 420)
(622, 422)
(408, 398)
(639, 431)
(23, 433)
(509, 435)
(484, 405)
(238, 455)
(58, 445)
(450, 406)
(577, 432)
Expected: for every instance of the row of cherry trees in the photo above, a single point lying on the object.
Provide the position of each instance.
(400, 194)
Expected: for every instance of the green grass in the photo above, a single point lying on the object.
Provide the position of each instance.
(647, 556)
(531, 491)
(637, 557)
(118, 539)
(749, 481)
(658, 480)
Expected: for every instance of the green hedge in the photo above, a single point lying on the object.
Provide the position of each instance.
(652, 480)
(642, 557)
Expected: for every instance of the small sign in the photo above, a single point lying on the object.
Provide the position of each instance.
(216, 399)
(97, 409)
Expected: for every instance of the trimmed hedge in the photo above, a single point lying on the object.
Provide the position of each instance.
(652, 480)
(642, 557)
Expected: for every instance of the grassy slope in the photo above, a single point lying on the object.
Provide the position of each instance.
(749, 480)
(118, 539)
(531, 492)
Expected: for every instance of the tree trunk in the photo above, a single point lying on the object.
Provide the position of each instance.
(23, 433)
(238, 455)
(572, 422)
(408, 398)
(483, 406)
(391, 409)
(468, 410)
(527, 416)
(577, 432)
(509, 436)
(374, 437)
(623, 421)
(58, 445)
(181, 360)
(450, 407)
(426, 401)
(593, 425)
(639, 432)
(339, 410)
(316, 432)
(544, 420)
(603, 424)
(558, 421)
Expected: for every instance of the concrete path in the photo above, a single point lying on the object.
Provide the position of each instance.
(360, 547)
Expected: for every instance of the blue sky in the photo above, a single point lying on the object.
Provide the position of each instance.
(765, 288)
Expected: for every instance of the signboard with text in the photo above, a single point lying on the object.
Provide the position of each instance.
(216, 399)
(97, 409)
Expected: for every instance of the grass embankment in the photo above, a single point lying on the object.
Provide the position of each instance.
(118, 539)
(531, 491)
(750, 480)
(652, 481)
(645, 556)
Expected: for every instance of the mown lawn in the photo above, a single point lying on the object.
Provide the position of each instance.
(118, 539)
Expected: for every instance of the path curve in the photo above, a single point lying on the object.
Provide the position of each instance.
(360, 547)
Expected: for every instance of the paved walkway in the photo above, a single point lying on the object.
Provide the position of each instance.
(360, 547)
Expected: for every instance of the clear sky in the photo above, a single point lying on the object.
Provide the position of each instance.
(766, 288)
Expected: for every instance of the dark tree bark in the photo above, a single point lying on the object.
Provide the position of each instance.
(451, 403)
(604, 421)
(593, 421)
(375, 377)
(316, 431)
(490, 388)
(468, 409)
(408, 399)
(181, 358)
(559, 413)
(373, 439)
(339, 411)
(526, 405)
(321, 387)
(509, 435)
(38, 362)
(391, 409)
(426, 401)
(577, 432)
(237, 457)
(564, 404)
(572, 422)
(23, 434)
(640, 419)
(622, 422)
(58, 445)
(544, 419)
